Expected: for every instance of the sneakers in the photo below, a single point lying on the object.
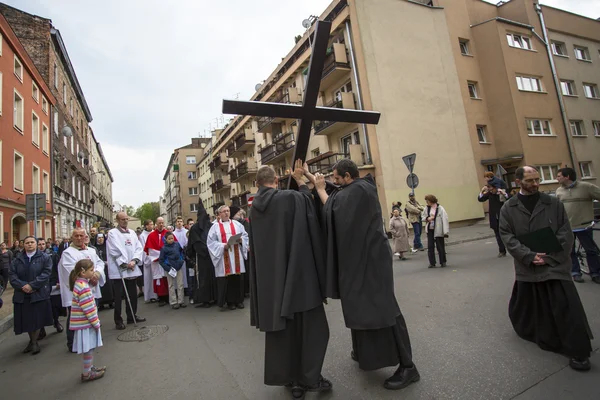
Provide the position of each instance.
(501, 254)
(175, 307)
(414, 250)
(580, 364)
(397, 254)
(92, 376)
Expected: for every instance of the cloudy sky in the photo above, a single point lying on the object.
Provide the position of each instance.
(154, 76)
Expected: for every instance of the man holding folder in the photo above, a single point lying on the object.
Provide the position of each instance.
(545, 307)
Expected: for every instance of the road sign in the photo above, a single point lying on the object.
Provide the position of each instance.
(409, 160)
(35, 206)
(412, 181)
(250, 199)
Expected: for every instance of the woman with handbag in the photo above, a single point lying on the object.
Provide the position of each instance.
(437, 228)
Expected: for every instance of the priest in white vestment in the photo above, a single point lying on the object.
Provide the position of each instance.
(146, 264)
(124, 253)
(228, 259)
(181, 235)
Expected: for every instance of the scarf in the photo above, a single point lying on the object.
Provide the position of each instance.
(236, 251)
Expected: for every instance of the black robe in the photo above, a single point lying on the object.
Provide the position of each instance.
(205, 285)
(360, 274)
(107, 288)
(287, 276)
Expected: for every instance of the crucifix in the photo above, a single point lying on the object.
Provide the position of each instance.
(308, 111)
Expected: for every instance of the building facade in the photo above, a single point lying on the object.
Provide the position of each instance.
(25, 140)
(101, 184)
(205, 175)
(71, 116)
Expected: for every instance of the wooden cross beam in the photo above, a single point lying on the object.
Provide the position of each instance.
(308, 111)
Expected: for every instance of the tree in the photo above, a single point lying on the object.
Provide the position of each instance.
(148, 211)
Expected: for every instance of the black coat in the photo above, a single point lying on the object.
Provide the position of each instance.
(36, 273)
(197, 250)
(359, 257)
(494, 209)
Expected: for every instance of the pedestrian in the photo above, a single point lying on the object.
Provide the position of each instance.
(6, 257)
(205, 294)
(171, 260)
(55, 301)
(107, 289)
(15, 248)
(154, 243)
(360, 271)
(63, 246)
(189, 223)
(228, 259)
(76, 251)
(29, 275)
(496, 197)
(413, 211)
(19, 248)
(239, 215)
(544, 307)
(146, 264)
(84, 321)
(55, 246)
(578, 198)
(124, 253)
(437, 228)
(181, 237)
(93, 235)
(399, 230)
(289, 305)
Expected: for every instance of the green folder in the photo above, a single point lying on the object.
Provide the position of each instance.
(541, 241)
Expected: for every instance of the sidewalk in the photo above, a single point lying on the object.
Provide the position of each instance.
(6, 312)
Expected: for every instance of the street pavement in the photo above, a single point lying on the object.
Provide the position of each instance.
(463, 344)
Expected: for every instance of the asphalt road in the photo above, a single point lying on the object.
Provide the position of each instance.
(463, 345)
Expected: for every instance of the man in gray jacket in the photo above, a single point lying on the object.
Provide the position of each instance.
(545, 307)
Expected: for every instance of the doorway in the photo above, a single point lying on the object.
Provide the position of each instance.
(19, 227)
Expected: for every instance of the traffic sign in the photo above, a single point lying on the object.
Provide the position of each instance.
(412, 180)
(250, 201)
(35, 206)
(409, 160)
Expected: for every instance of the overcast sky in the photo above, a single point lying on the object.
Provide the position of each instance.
(154, 76)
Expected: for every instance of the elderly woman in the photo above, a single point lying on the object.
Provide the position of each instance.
(399, 230)
(29, 276)
(437, 228)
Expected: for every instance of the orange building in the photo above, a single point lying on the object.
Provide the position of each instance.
(25, 148)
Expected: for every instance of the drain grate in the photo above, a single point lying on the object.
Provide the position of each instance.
(142, 334)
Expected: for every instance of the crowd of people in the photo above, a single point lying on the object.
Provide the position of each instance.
(297, 249)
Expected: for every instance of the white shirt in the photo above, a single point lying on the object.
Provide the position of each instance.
(216, 247)
(66, 264)
(122, 248)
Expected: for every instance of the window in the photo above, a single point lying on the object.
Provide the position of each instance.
(482, 134)
(559, 49)
(0, 89)
(73, 144)
(45, 139)
(46, 185)
(73, 186)
(78, 189)
(18, 69)
(316, 152)
(19, 172)
(1, 52)
(529, 84)
(56, 123)
(548, 173)
(473, 90)
(538, 127)
(582, 53)
(193, 191)
(568, 88)
(55, 76)
(19, 112)
(0, 161)
(518, 41)
(35, 92)
(192, 175)
(586, 169)
(596, 125)
(190, 160)
(35, 130)
(44, 105)
(590, 90)
(576, 128)
(47, 227)
(71, 106)
(464, 47)
(35, 179)
(64, 93)
(194, 207)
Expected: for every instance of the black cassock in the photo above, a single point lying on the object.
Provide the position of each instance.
(205, 284)
(287, 276)
(360, 274)
(107, 289)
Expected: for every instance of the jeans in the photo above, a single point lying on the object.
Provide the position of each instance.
(501, 247)
(432, 243)
(586, 238)
(417, 228)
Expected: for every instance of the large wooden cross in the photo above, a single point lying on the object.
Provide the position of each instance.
(308, 111)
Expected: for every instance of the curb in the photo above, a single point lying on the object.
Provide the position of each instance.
(6, 324)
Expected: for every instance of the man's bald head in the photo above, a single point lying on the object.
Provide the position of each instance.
(122, 219)
(266, 177)
(160, 224)
(78, 236)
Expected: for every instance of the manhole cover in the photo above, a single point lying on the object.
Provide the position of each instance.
(142, 334)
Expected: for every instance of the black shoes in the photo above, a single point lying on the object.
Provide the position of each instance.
(28, 348)
(578, 278)
(402, 378)
(175, 307)
(42, 334)
(119, 326)
(35, 348)
(596, 279)
(183, 305)
(443, 265)
(580, 364)
(323, 385)
(162, 303)
(431, 266)
(59, 328)
(240, 305)
(353, 356)
(137, 319)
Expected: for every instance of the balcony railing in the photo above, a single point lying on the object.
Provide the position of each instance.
(321, 125)
(233, 175)
(243, 143)
(324, 163)
(230, 149)
(283, 182)
(243, 169)
(267, 153)
(284, 142)
(263, 122)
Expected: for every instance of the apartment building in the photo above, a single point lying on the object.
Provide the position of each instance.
(70, 119)
(205, 175)
(25, 140)
(101, 184)
(181, 181)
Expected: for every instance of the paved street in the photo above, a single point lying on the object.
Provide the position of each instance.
(463, 344)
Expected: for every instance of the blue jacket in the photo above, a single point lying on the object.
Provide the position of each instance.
(36, 273)
(171, 256)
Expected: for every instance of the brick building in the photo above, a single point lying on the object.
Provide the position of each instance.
(25, 139)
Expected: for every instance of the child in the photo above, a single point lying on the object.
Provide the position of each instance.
(84, 319)
(171, 257)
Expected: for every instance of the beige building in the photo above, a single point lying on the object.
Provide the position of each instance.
(181, 181)
(205, 176)
(100, 183)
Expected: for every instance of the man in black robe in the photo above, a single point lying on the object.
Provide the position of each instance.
(205, 284)
(287, 276)
(360, 274)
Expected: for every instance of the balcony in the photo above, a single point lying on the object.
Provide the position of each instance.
(217, 205)
(247, 195)
(245, 169)
(244, 142)
(221, 184)
(336, 65)
(284, 142)
(267, 153)
(233, 175)
(327, 127)
(219, 162)
(324, 163)
(291, 96)
(230, 149)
